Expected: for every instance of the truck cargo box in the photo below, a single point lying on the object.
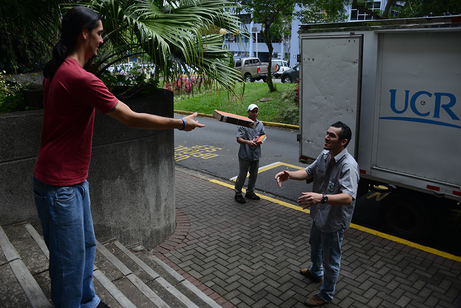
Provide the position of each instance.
(397, 84)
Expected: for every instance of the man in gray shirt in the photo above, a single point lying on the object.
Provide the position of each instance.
(335, 175)
(249, 155)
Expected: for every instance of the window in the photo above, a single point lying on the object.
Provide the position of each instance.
(359, 15)
(246, 18)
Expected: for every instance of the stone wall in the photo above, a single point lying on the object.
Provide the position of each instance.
(131, 174)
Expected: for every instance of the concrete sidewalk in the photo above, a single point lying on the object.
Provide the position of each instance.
(249, 255)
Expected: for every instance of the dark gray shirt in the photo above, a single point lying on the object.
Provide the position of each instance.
(246, 152)
(342, 176)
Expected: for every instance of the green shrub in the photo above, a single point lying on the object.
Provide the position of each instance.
(12, 96)
(290, 113)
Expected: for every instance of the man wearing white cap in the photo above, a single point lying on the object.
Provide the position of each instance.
(249, 154)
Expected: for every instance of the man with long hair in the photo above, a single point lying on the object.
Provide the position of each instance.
(71, 96)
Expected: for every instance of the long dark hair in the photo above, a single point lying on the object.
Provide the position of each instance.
(74, 21)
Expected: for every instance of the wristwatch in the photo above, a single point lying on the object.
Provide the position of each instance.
(324, 199)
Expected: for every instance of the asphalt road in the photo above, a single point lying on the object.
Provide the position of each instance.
(213, 150)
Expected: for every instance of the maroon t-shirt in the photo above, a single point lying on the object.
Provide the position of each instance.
(69, 103)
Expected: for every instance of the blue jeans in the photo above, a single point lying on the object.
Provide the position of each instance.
(67, 227)
(244, 166)
(326, 259)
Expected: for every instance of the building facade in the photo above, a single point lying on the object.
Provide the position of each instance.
(287, 49)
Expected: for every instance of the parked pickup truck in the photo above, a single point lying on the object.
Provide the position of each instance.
(252, 69)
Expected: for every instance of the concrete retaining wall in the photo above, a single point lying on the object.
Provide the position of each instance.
(131, 174)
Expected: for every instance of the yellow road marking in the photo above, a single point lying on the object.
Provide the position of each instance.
(354, 226)
(269, 167)
(198, 151)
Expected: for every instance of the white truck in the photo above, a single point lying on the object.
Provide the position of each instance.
(280, 67)
(397, 84)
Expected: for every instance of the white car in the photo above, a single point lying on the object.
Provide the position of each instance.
(281, 66)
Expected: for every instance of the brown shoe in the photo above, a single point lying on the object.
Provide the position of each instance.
(314, 301)
(307, 273)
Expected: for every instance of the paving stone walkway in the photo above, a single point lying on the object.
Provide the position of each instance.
(249, 256)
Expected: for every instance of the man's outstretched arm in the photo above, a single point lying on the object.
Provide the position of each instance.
(130, 118)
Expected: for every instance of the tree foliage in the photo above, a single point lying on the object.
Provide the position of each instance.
(423, 8)
(319, 11)
(334, 10)
(275, 18)
(28, 29)
(172, 34)
(177, 36)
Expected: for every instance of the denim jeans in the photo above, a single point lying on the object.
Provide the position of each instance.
(326, 259)
(244, 166)
(67, 227)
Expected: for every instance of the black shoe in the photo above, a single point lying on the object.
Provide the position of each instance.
(252, 196)
(240, 199)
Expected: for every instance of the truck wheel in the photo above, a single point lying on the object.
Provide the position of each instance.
(405, 216)
(286, 79)
(248, 78)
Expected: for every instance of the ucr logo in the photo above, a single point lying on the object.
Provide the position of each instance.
(424, 107)
(417, 102)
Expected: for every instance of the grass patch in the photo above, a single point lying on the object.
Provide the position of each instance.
(280, 106)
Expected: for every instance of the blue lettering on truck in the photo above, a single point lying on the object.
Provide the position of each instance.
(416, 105)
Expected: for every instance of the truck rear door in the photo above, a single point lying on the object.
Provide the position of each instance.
(330, 79)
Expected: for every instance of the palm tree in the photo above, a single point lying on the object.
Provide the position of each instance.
(177, 36)
(173, 34)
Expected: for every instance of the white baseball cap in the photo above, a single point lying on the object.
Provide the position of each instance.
(252, 106)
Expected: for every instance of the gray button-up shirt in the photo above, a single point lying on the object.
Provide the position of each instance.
(342, 176)
(246, 152)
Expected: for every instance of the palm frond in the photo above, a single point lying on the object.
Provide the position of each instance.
(171, 33)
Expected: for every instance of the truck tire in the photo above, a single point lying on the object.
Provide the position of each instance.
(286, 79)
(249, 78)
(404, 215)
